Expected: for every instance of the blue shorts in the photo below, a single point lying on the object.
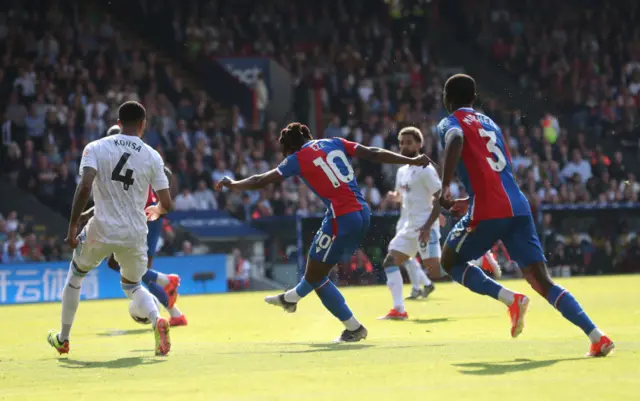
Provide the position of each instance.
(517, 233)
(155, 229)
(338, 238)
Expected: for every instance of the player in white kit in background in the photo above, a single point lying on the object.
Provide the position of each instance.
(418, 229)
(119, 169)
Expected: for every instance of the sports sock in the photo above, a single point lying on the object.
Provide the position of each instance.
(159, 292)
(298, 292)
(411, 270)
(174, 312)
(332, 299)
(422, 276)
(473, 278)
(143, 300)
(152, 276)
(70, 299)
(562, 300)
(351, 324)
(394, 282)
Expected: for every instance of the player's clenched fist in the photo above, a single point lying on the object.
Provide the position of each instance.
(421, 160)
(224, 182)
(71, 239)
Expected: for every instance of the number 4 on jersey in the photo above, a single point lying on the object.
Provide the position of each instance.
(116, 175)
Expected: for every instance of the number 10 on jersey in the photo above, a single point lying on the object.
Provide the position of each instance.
(331, 169)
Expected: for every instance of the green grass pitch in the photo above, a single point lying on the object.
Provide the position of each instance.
(456, 346)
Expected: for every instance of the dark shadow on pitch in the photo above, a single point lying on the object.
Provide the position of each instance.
(328, 347)
(500, 368)
(431, 321)
(112, 333)
(119, 363)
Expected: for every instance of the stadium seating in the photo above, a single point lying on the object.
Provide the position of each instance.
(371, 67)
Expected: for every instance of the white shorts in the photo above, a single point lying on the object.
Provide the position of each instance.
(90, 253)
(407, 241)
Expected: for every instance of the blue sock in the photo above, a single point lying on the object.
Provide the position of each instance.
(157, 290)
(474, 279)
(303, 288)
(332, 299)
(150, 277)
(562, 300)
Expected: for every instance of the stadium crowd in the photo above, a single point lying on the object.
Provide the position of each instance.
(62, 78)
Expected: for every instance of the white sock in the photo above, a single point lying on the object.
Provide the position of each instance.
(394, 282)
(174, 312)
(143, 300)
(423, 279)
(506, 296)
(292, 295)
(413, 277)
(162, 279)
(595, 335)
(70, 300)
(351, 324)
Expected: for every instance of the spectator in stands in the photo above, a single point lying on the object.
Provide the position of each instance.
(185, 200)
(4, 233)
(52, 251)
(221, 171)
(187, 249)
(577, 165)
(629, 263)
(371, 193)
(262, 207)
(204, 197)
(242, 269)
(11, 254)
(12, 222)
(262, 98)
(30, 250)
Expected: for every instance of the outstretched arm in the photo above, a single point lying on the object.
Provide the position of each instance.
(379, 155)
(254, 182)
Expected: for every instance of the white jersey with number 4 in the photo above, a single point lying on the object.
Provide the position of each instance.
(125, 166)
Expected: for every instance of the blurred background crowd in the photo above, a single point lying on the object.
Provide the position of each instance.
(372, 67)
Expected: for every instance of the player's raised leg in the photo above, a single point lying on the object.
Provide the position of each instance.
(336, 238)
(466, 243)
(133, 262)
(524, 247)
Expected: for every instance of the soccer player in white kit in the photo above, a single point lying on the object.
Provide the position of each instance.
(119, 169)
(418, 229)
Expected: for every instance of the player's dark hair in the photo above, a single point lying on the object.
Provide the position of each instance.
(413, 131)
(131, 114)
(293, 136)
(461, 90)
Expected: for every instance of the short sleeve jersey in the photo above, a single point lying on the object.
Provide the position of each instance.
(126, 169)
(325, 166)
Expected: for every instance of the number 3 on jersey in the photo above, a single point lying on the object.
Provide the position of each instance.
(331, 169)
(496, 165)
(116, 175)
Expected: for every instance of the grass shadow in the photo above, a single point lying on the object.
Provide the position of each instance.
(432, 321)
(120, 363)
(500, 368)
(328, 347)
(111, 333)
